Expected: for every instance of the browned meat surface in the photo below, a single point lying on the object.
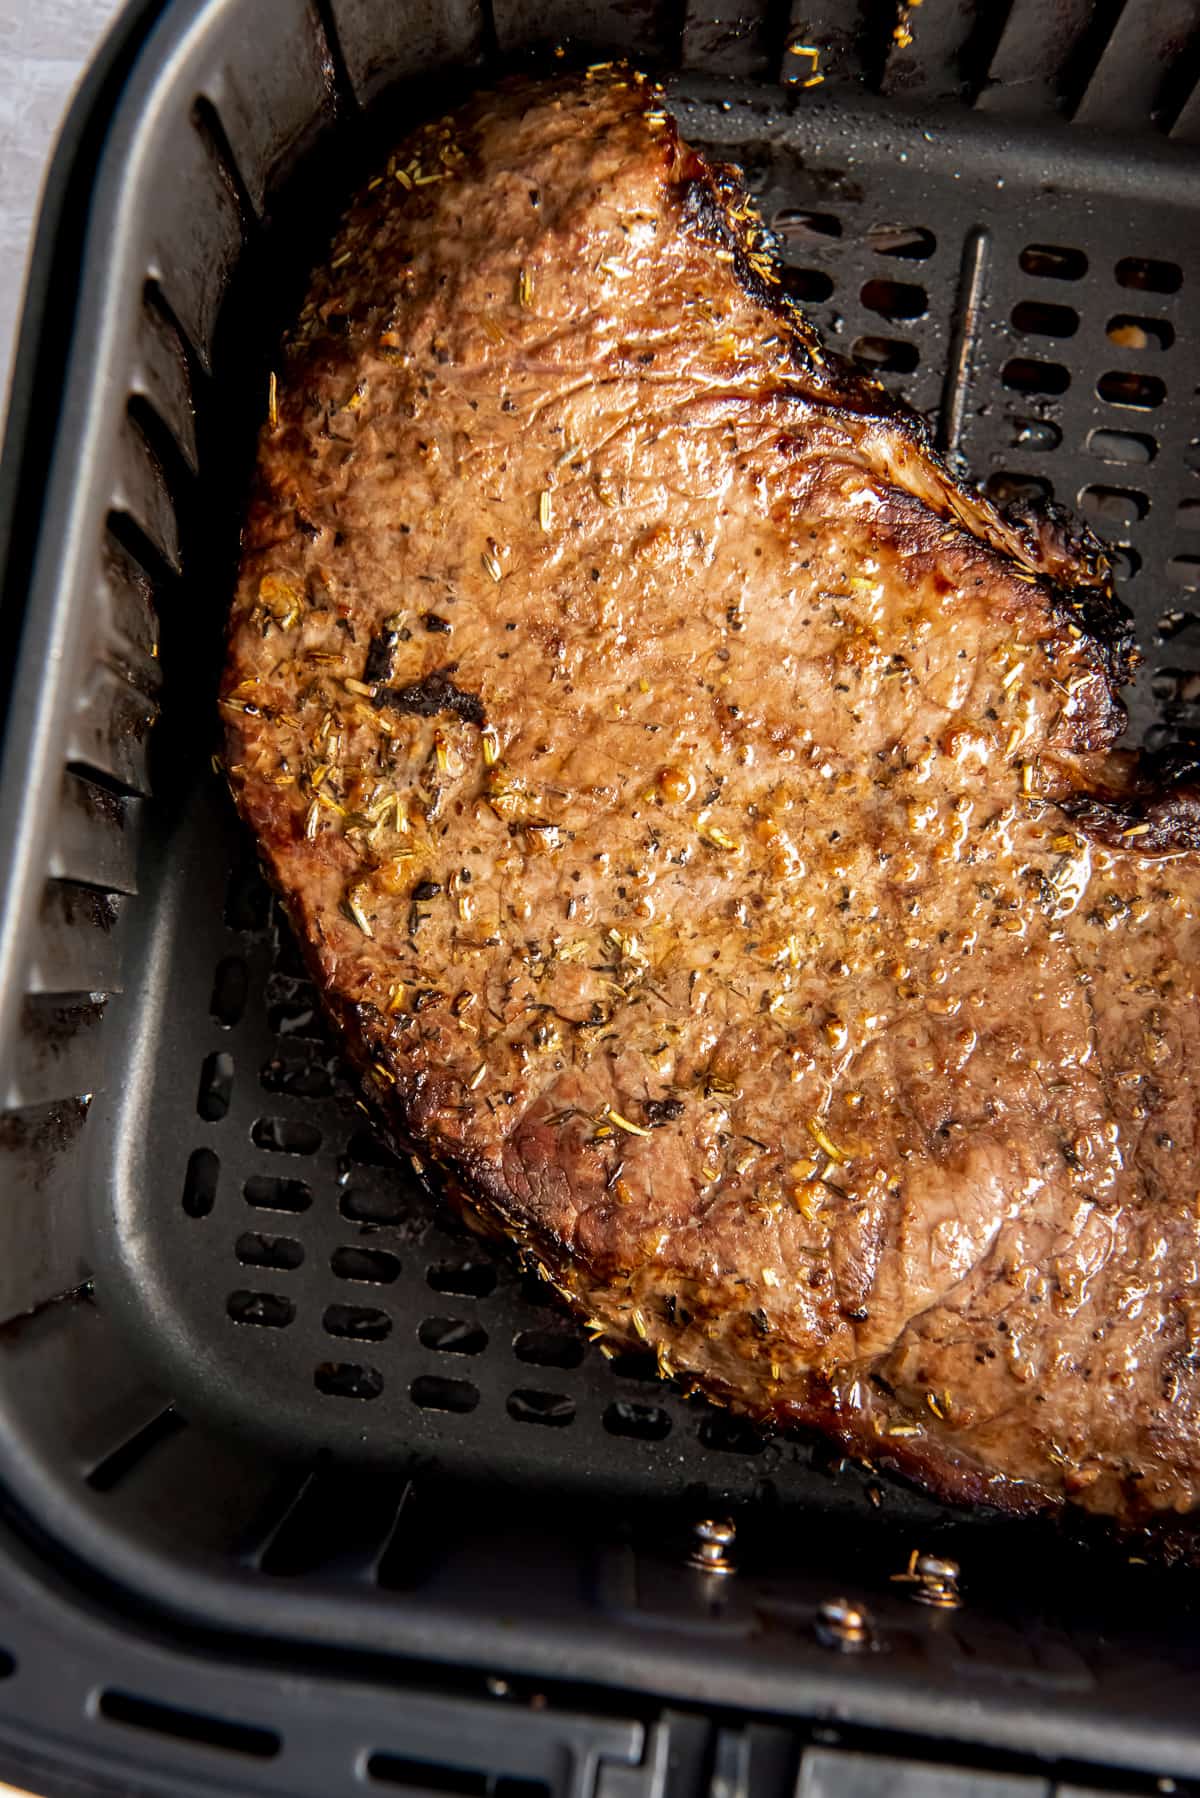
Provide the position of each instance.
(700, 818)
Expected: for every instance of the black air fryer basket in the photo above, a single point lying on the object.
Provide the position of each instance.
(304, 1488)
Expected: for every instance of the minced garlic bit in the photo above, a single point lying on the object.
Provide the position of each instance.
(445, 755)
(808, 1201)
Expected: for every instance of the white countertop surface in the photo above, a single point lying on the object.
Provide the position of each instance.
(44, 47)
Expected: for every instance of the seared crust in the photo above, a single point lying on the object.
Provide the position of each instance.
(699, 813)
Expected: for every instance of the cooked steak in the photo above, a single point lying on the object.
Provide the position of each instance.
(700, 816)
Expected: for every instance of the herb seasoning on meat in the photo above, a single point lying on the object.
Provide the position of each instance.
(823, 1007)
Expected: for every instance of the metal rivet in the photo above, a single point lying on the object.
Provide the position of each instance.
(714, 1537)
(843, 1625)
(932, 1580)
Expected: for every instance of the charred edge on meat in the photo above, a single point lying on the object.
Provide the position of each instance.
(432, 695)
(1161, 816)
(1089, 603)
(713, 205)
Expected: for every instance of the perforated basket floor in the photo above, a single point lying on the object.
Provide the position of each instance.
(281, 1269)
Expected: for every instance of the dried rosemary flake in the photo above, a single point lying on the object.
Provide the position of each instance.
(715, 837)
(825, 1142)
(545, 515)
(525, 287)
(492, 565)
(477, 1078)
(272, 400)
(354, 905)
(312, 817)
(623, 1123)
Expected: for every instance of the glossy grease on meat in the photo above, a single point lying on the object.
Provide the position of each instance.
(700, 817)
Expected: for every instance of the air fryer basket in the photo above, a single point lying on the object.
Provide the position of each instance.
(253, 1380)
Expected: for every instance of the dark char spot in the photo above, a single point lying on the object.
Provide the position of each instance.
(433, 694)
